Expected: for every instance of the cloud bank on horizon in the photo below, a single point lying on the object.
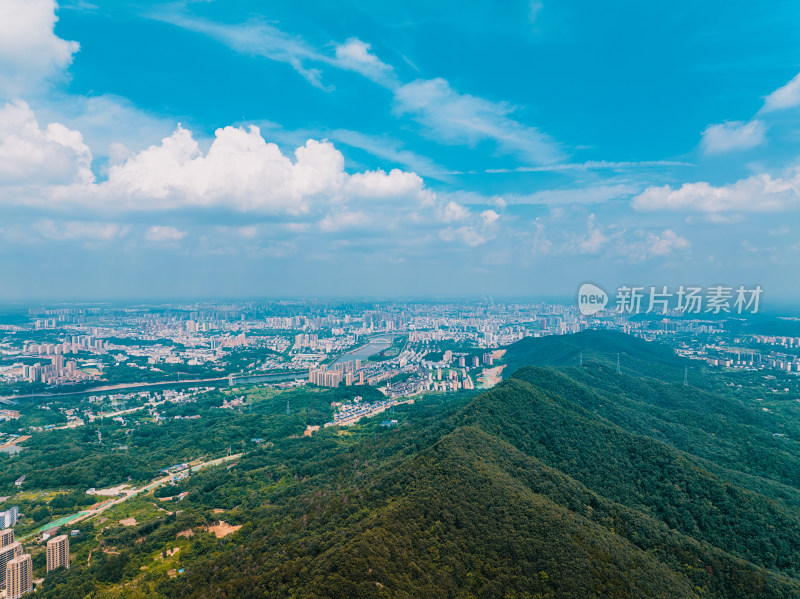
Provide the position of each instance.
(281, 154)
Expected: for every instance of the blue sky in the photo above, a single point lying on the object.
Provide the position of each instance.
(234, 149)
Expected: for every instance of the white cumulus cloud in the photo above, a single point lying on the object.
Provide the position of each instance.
(30, 52)
(759, 193)
(33, 155)
(733, 135)
(653, 245)
(478, 230)
(454, 212)
(786, 96)
(374, 184)
(240, 171)
(666, 242)
(489, 217)
(50, 167)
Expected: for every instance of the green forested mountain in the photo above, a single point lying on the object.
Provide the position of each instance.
(636, 356)
(563, 481)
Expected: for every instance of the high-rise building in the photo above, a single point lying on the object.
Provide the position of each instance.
(19, 576)
(31, 372)
(58, 552)
(6, 537)
(324, 377)
(8, 553)
(8, 518)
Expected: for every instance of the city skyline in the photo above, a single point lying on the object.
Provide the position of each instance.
(184, 149)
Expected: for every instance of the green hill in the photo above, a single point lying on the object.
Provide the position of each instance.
(601, 347)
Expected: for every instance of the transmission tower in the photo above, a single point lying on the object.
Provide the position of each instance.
(288, 411)
(618, 370)
(581, 359)
(685, 376)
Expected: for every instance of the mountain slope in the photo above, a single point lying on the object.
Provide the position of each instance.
(453, 522)
(602, 347)
(641, 473)
(529, 494)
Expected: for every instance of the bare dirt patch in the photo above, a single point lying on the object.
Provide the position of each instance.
(223, 529)
(188, 533)
(128, 522)
(15, 441)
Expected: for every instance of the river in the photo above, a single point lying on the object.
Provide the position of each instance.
(365, 351)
